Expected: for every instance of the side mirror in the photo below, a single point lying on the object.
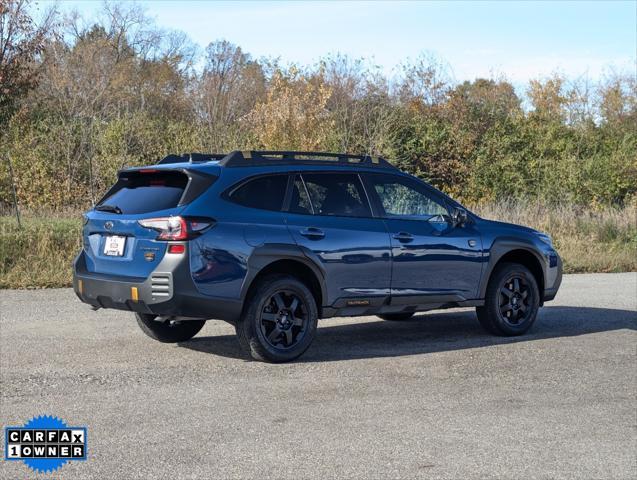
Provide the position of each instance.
(459, 217)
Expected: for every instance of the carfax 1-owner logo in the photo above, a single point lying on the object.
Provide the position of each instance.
(45, 443)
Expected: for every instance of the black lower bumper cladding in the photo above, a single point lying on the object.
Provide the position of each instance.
(147, 295)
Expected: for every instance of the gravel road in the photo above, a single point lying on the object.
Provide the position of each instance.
(432, 397)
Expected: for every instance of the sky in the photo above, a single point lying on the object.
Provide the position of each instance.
(515, 40)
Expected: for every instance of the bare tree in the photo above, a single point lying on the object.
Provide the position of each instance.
(427, 80)
(21, 42)
(346, 79)
(579, 105)
(229, 87)
(116, 70)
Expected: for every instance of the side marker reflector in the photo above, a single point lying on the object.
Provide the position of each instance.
(178, 248)
(80, 286)
(133, 294)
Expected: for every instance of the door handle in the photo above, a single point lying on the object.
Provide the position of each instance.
(312, 233)
(403, 237)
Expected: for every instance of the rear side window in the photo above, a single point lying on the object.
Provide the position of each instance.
(137, 192)
(266, 193)
(337, 194)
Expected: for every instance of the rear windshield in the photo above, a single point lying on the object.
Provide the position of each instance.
(141, 192)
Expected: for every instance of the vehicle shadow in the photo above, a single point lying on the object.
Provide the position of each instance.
(431, 332)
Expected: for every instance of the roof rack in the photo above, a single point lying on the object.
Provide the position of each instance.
(271, 157)
(192, 158)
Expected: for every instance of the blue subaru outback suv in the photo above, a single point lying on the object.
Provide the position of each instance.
(273, 241)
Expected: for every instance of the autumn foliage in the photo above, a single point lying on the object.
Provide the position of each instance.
(82, 98)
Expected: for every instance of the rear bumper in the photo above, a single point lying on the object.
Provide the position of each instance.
(168, 290)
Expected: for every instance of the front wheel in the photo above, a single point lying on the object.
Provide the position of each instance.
(511, 302)
(169, 331)
(279, 320)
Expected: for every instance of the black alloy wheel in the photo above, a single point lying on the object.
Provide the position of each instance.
(515, 300)
(511, 301)
(284, 319)
(279, 319)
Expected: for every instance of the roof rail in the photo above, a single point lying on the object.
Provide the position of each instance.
(191, 158)
(262, 157)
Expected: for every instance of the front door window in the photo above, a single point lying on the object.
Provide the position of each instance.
(401, 200)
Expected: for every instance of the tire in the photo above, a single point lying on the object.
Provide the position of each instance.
(511, 302)
(167, 332)
(397, 317)
(279, 320)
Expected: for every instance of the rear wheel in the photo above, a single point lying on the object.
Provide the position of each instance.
(511, 302)
(279, 320)
(168, 331)
(397, 317)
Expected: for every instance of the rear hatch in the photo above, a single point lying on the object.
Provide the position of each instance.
(114, 241)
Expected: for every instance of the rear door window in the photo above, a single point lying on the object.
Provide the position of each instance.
(300, 200)
(337, 194)
(266, 193)
(141, 192)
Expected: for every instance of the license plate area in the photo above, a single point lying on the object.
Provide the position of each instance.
(114, 245)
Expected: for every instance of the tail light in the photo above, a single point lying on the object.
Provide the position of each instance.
(177, 228)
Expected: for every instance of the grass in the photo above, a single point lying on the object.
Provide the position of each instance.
(601, 240)
(40, 254)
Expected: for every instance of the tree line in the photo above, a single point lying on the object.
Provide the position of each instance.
(81, 98)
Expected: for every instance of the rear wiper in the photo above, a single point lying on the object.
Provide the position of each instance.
(109, 208)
